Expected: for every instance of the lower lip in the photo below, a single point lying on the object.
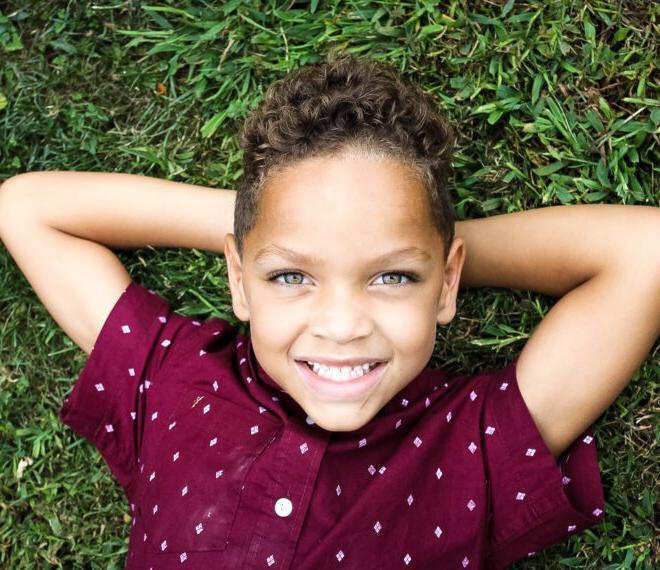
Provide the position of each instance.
(341, 390)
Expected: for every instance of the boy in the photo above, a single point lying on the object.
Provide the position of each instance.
(322, 440)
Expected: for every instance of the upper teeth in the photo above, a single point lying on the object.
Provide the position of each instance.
(343, 373)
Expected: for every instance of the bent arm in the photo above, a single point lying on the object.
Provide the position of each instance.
(552, 250)
(123, 210)
(59, 228)
(604, 263)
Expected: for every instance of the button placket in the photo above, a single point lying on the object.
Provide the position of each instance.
(289, 493)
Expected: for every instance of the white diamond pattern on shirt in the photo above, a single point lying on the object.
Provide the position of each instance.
(200, 478)
(210, 428)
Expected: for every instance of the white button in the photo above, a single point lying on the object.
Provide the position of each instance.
(309, 421)
(283, 507)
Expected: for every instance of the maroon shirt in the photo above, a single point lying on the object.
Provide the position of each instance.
(223, 469)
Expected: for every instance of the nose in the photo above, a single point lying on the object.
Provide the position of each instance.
(340, 316)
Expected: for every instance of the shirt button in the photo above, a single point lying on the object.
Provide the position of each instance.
(283, 507)
(309, 421)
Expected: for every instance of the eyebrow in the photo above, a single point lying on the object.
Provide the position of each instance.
(274, 250)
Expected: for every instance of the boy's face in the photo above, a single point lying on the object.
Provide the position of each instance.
(349, 300)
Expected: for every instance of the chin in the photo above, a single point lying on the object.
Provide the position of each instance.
(342, 424)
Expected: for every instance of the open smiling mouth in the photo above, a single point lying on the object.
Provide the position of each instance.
(342, 374)
(330, 384)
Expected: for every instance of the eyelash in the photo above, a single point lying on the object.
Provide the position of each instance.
(413, 277)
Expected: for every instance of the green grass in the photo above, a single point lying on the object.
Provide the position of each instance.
(554, 103)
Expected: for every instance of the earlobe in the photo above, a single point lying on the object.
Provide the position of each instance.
(236, 281)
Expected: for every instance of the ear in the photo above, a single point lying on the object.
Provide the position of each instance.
(450, 283)
(236, 281)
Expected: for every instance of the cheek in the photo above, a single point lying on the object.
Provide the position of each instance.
(411, 329)
(409, 326)
(274, 325)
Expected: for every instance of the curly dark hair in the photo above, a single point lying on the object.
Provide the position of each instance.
(345, 103)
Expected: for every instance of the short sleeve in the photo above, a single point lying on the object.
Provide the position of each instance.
(107, 401)
(534, 502)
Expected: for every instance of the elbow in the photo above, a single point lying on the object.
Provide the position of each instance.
(14, 192)
(19, 183)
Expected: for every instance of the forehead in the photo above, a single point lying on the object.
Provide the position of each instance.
(344, 205)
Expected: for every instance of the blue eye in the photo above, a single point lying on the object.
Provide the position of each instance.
(411, 277)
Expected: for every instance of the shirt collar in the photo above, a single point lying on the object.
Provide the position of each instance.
(260, 383)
